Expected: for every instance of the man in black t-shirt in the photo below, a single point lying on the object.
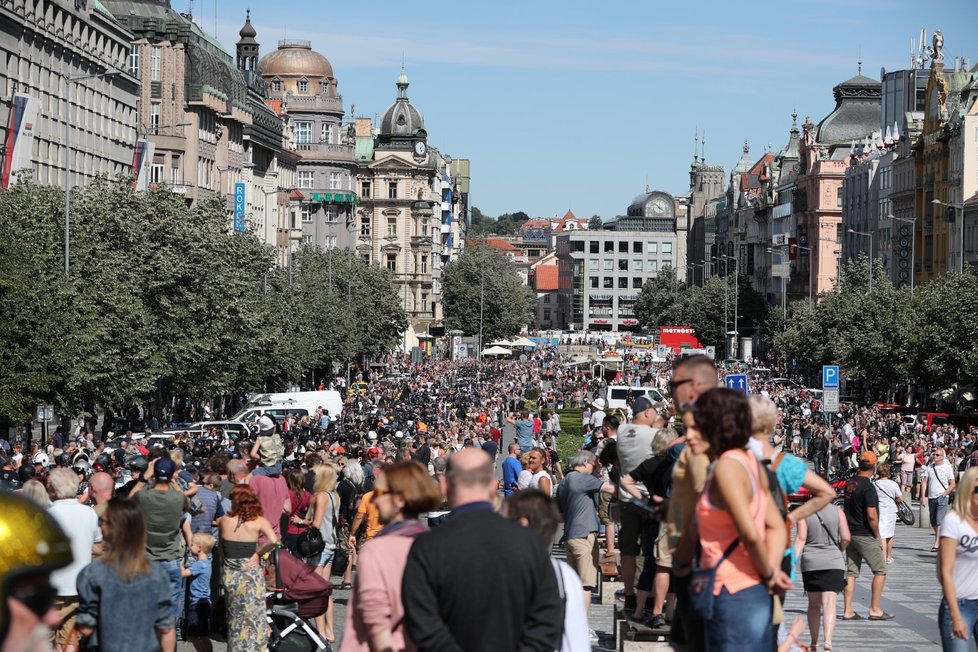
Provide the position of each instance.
(862, 515)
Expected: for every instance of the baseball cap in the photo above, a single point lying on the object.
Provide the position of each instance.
(164, 469)
(643, 403)
(266, 426)
(374, 452)
(869, 457)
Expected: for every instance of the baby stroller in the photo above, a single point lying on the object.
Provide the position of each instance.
(295, 595)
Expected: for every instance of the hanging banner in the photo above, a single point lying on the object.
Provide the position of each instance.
(239, 207)
(141, 158)
(20, 138)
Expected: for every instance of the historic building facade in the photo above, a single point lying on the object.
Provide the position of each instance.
(823, 159)
(64, 62)
(943, 171)
(303, 88)
(398, 220)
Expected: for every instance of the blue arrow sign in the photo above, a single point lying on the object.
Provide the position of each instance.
(830, 376)
(737, 382)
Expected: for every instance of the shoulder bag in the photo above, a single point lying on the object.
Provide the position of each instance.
(701, 584)
(904, 513)
(310, 542)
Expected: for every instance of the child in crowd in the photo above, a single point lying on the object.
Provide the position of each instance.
(268, 449)
(199, 611)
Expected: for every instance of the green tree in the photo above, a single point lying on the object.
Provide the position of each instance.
(945, 345)
(482, 276)
(595, 223)
(662, 301)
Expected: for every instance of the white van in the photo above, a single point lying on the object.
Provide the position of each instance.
(617, 396)
(300, 404)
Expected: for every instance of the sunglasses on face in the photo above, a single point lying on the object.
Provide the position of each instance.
(38, 599)
(673, 384)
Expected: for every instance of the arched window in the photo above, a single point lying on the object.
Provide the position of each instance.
(303, 85)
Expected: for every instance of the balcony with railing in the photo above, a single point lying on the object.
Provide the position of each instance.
(326, 152)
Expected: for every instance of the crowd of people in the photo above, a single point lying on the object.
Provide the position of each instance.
(443, 529)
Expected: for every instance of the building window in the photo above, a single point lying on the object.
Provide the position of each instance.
(325, 87)
(637, 283)
(303, 86)
(156, 174)
(623, 283)
(365, 226)
(546, 314)
(392, 226)
(330, 242)
(594, 282)
(636, 247)
(609, 264)
(334, 180)
(838, 197)
(277, 85)
(424, 302)
(623, 247)
(667, 247)
(392, 190)
(365, 190)
(653, 247)
(305, 213)
(392, 262)
(154, 116)
(593, 264)
(609, 247)
(306, 178)
(637, 264)
(609, 283)
(327, 134)
(653, 266)
(303, 133)
(332, 214)
(307, 239)
(594, 247)
(623, 264)
(424, 264)
(134, 60)
(156, 63)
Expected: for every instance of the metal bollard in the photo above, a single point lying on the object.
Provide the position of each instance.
(923, 515)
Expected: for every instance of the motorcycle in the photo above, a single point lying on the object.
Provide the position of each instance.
(838, 483)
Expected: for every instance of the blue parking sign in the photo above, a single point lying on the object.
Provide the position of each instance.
(736, 381)
(830, 376)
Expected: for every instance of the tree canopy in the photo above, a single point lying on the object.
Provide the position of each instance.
(163, 298)
(481, 275)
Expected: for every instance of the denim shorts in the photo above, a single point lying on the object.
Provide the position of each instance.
(969, 613)
(741, 621)
(323, 558)
(938, 508)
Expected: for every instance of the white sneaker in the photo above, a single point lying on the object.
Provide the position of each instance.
(593, 635)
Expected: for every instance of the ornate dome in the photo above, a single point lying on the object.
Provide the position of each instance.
(856, 114)
(248, 31)
(294, 59)
(401, 118)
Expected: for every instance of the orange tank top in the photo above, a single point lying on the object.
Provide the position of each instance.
(717, 531)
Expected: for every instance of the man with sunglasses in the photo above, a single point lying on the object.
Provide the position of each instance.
(691, 377)
(32, 545)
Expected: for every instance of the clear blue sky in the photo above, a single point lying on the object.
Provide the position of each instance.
(577, 104)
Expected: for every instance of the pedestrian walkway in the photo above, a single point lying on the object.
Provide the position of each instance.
(912, 594)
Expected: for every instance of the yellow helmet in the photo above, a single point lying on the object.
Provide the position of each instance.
(31, 543)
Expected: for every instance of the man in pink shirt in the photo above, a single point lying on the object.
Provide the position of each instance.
(273, 494)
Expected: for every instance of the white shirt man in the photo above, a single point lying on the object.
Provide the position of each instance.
(938, 484)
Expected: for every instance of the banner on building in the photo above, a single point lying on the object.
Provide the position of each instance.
(792, 248)
(239, 207)
(141, 167)
(20, 138)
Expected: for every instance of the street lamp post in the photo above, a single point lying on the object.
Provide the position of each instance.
(726, 291)
(912, 221)
(67, 117)
(957, 207)
(867, 234)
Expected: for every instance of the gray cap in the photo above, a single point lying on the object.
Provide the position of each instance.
(643, 403)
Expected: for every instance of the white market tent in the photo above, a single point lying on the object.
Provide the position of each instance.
(525, 343)
(493, 351)
(501, 343)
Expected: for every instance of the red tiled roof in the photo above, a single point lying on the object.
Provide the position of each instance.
(972, 201)
(545, 279)
(569, 215)
(495, 243)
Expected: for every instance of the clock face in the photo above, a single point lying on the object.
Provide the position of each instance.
(420, 148)
(659, 205)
